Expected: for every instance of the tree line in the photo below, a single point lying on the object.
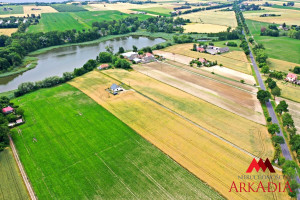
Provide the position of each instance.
(13, 49)
(104, 57)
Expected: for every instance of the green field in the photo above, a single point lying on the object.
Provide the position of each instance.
(223, 44)
(76, 20)
(282, 48)
(11, 183)
(67, 8)
(156, 11)
(84, 152)
(16, 10)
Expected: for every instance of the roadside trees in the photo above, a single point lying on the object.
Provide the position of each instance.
(276, 91)
(263, 96)
(273, 128)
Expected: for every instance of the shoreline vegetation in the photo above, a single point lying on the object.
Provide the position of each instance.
(167, 37)
(30, 61)
(28, 64)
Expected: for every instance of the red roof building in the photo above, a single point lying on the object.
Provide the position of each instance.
(103, 66)
(291, 77)
(7, 110)
(202, 60)
(200, 49)
(149, 54)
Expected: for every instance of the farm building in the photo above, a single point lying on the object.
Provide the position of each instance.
(7, 110)
(202, 60)
(137, 60)
(291, 77)
(214, 50)
(223, 50)
(130, 55)
(103, 66)
(20, 121)
(115, 88)
(149, 57)
(200, 49)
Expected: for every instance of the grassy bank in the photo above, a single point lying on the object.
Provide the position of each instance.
(28, 63)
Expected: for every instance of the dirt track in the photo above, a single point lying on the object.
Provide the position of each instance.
(230, 98)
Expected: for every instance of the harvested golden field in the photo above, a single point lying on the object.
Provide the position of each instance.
(203, 28)
(7, 31)
(235, 100)
(213, 17)
(288, 16)
(244, 133)
(222, 74)
(38, 9)
(206, 156)
(122, 6)
(281, 65)
(238, 63)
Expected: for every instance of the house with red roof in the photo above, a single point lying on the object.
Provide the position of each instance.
(291, 77)
(202, 60)
(149, 57)
(200, 49)
(103, 66)
(7, 110)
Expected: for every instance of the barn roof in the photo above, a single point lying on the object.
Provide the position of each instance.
(7, 109)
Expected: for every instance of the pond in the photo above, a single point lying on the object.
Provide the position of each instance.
(64, 59)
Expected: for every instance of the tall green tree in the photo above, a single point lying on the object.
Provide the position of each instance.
(263, 96)
(276, 92)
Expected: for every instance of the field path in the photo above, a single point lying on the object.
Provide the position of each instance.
(22, 171)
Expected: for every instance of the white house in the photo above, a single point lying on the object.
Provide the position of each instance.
(115, 88)
(130, 55)
(137, 60)
(291, 77)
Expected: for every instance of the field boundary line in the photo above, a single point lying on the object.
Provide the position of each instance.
(194, 123)
(120, 179)
(22, 171)
(197, 74)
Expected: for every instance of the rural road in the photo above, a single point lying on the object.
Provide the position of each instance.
(285, 150)
(22, 171)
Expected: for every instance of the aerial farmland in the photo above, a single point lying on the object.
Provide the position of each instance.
(151, 100)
